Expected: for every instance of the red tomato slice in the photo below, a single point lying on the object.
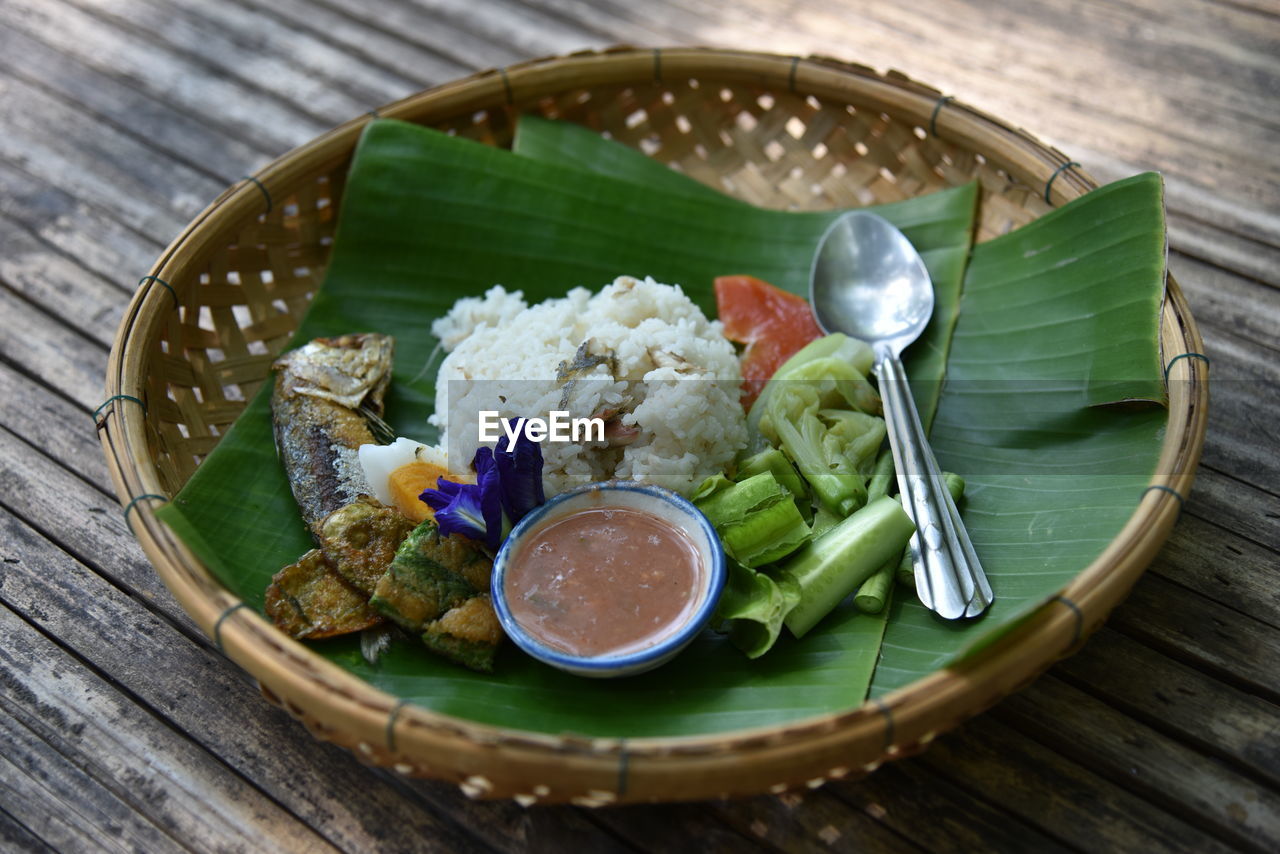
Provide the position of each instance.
(772, 323)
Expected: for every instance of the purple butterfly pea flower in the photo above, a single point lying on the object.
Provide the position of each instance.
(520, 476)
(458, 508)
(489, 480)
(508, 485)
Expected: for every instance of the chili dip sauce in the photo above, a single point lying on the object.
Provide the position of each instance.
(604, 581)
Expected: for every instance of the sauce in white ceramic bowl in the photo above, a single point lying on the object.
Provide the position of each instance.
(610, 579)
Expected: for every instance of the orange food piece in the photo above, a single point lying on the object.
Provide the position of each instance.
(772, 323)
(408, 481)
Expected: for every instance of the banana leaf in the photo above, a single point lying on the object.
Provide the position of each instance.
(429, 218)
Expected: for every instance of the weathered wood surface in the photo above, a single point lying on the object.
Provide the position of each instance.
(123, 729)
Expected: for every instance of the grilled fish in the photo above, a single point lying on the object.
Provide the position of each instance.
(327, 402)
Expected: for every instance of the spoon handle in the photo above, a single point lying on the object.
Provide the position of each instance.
(946, 566)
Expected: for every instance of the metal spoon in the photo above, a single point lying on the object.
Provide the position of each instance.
(869, 282)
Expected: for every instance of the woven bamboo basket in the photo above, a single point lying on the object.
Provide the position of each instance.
(199, 336)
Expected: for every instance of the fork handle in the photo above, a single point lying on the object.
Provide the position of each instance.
(944, 578)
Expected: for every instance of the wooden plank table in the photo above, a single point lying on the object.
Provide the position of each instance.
(123, 729)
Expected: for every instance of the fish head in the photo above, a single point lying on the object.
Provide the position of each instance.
(349, 370)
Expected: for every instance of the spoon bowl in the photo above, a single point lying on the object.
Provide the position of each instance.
(869, 282)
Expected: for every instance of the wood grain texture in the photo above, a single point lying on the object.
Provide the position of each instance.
(1180, 701)
(122, 764)
(1198, 788)
(1067, 799)
(124, 729)
(1235, 648)
(16, 836)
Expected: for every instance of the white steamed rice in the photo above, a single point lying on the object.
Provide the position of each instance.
(676, 380)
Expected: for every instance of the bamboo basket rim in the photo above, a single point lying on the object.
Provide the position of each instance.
(489, 760)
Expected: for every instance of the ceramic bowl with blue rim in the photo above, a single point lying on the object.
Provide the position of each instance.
(542, 621)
